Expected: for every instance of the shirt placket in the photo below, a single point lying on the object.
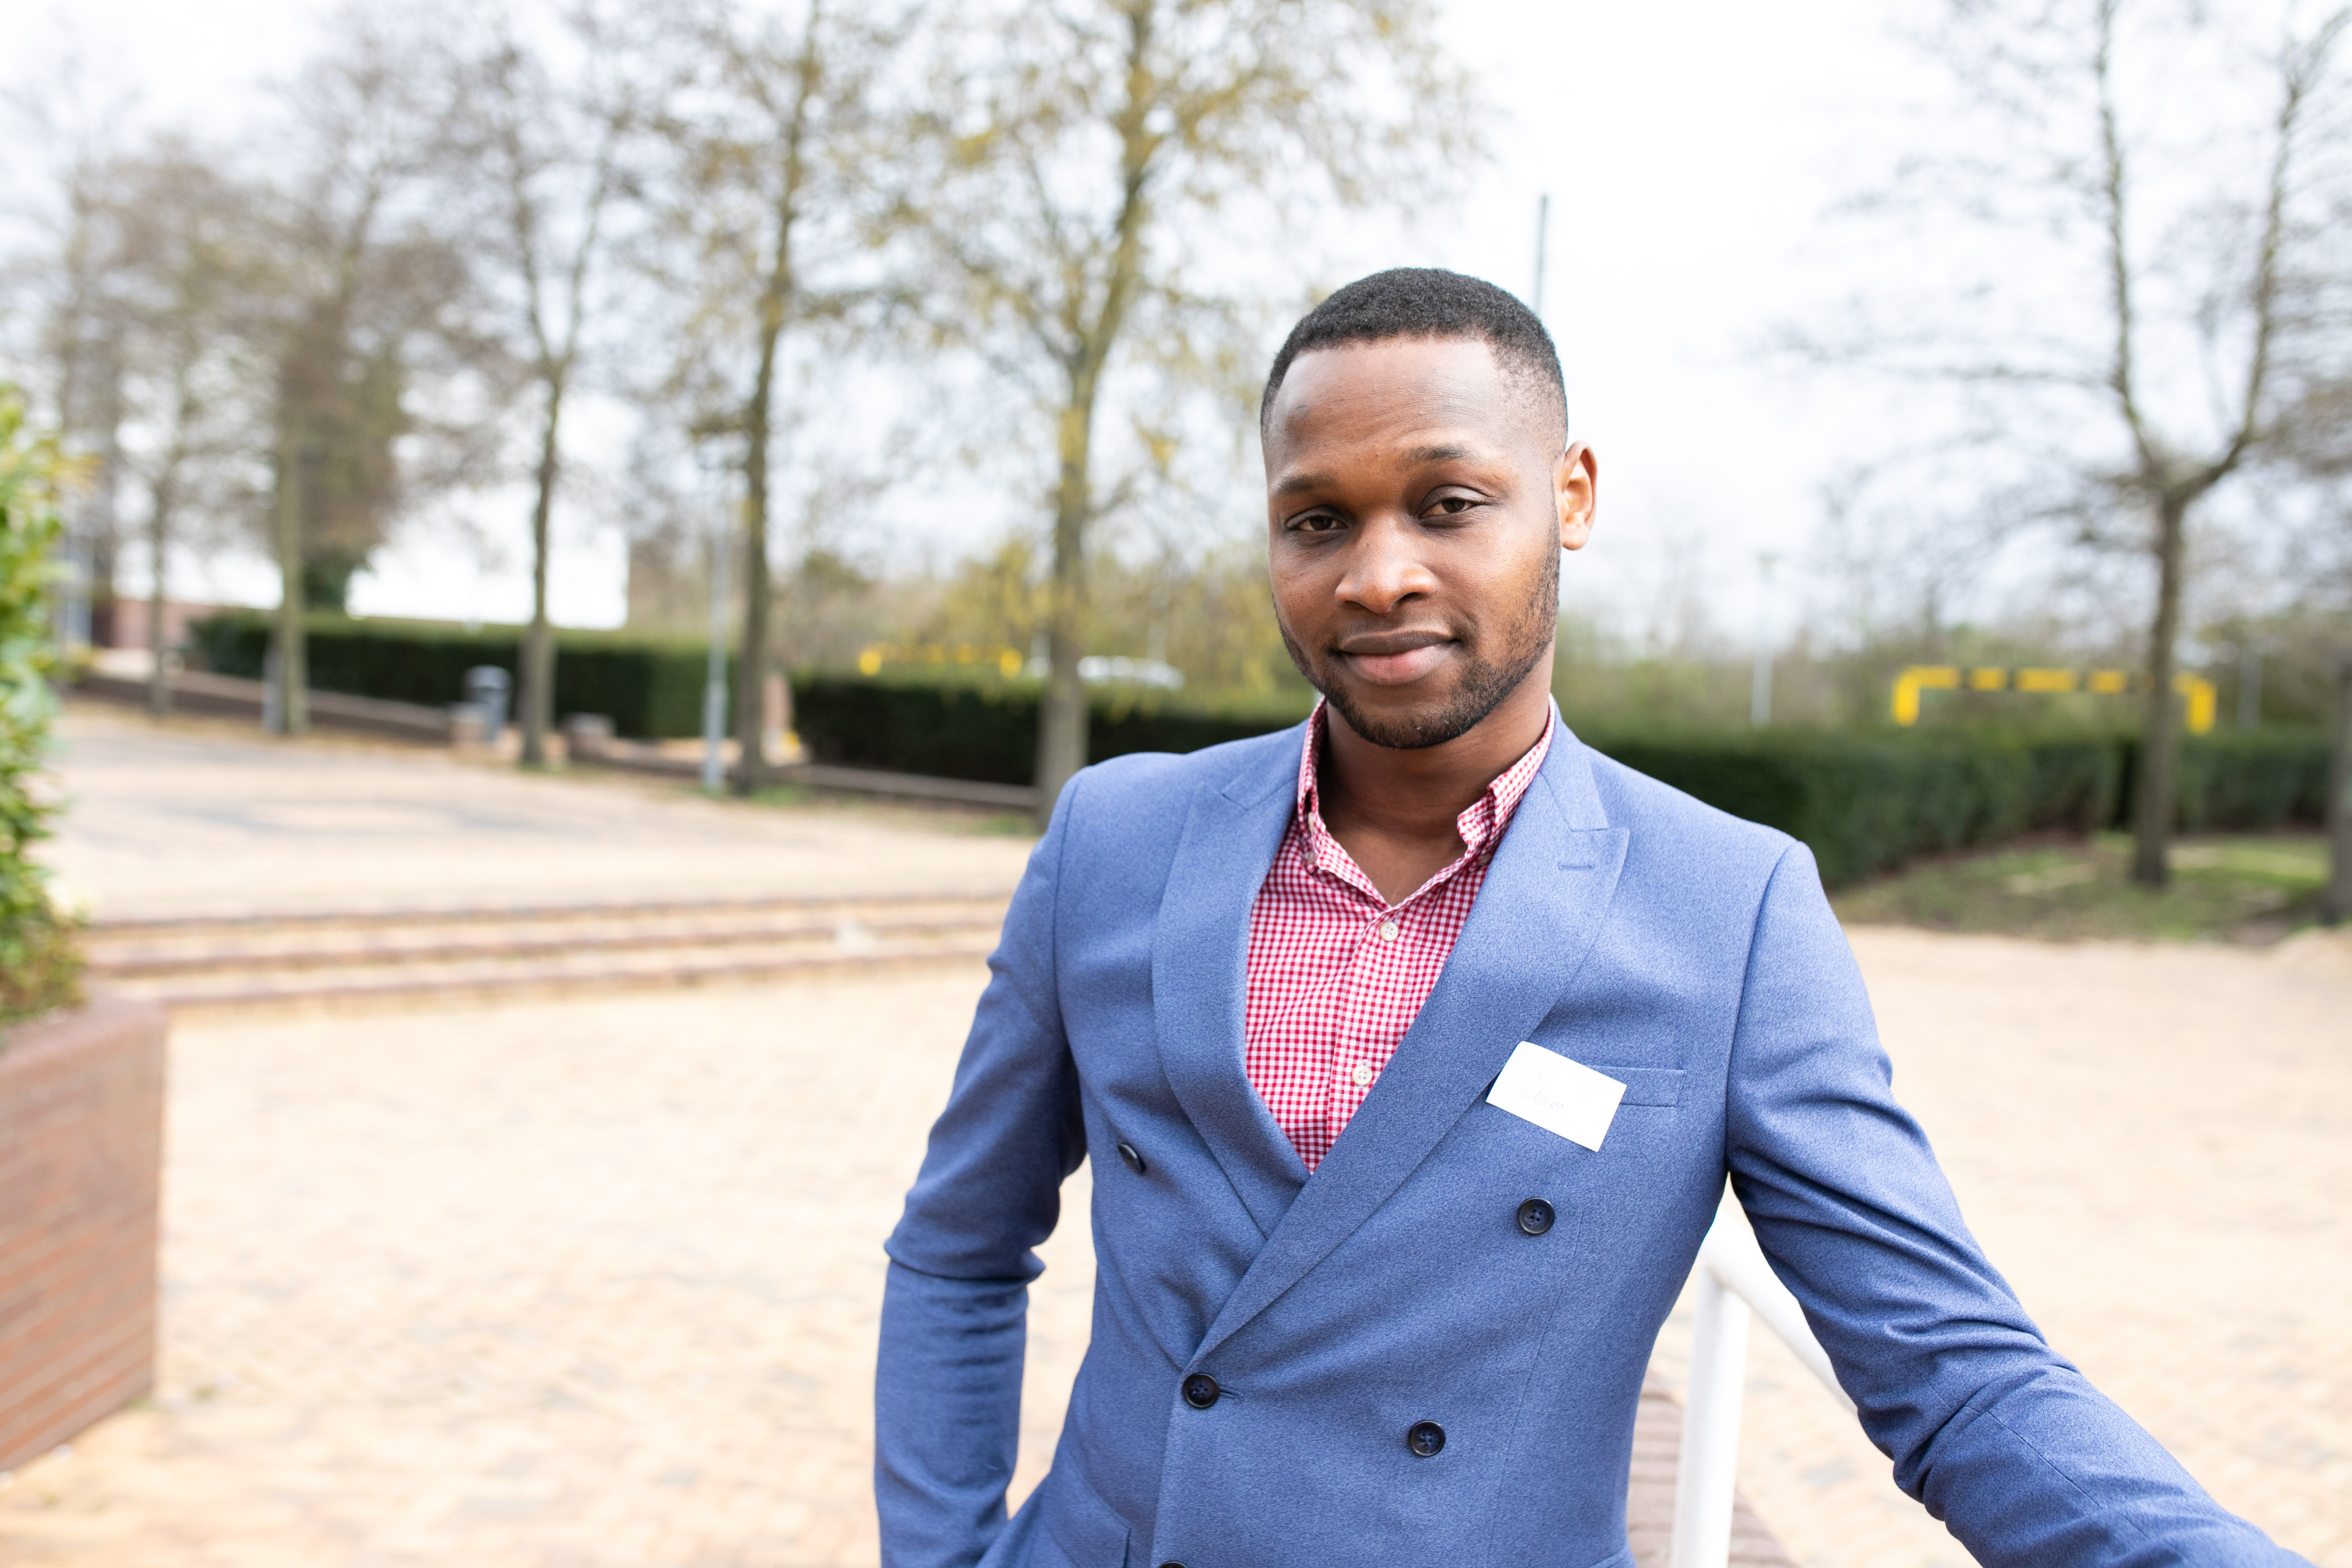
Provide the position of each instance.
(1365, 1028)
(1367, 1035)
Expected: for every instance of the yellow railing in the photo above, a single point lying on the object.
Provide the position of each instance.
(1008, 661)
(2203, 698)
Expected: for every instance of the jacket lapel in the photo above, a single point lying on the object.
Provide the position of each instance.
(1200, 960)
(1536, 918)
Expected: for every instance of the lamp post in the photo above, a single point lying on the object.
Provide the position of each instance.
(1543, 229)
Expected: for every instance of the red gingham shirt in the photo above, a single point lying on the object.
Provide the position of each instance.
(1336, 973)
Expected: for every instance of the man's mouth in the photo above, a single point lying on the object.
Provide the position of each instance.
(1392, 659)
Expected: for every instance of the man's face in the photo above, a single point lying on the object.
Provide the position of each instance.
(1417, 502)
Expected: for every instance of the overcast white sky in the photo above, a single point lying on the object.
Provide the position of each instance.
(1688, 151)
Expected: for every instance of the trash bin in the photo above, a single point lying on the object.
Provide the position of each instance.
(586, 736)
(486, 688)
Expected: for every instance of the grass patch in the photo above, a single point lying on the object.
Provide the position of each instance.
(2251, 889)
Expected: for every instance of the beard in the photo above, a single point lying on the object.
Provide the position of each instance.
(1489, 676)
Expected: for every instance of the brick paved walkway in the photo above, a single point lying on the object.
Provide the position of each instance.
(582, 1284)
(2155, 1145)
(593, 1284)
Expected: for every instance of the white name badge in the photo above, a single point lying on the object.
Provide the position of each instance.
(1557, 1094)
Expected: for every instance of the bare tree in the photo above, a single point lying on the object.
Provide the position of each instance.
(542, 143)
(368, 287)
(190, 292)
(1079, 153)
(65, 118)
(2136, 311)
(773, 126)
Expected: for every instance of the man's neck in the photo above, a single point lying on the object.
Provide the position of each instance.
(1396, 811)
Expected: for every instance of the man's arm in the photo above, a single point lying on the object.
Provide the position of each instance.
(947, 1385)
(1995, 1433)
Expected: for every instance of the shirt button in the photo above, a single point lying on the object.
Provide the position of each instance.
(1363, 1075)
(1388, 931)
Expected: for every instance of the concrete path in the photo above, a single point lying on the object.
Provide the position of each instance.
(203, 817)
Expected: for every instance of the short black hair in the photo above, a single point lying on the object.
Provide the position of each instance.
(1429, 302)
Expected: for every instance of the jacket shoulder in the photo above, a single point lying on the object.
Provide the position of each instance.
(1143, 781)
(1686, 827)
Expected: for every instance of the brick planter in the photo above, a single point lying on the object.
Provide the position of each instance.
(81, 1134)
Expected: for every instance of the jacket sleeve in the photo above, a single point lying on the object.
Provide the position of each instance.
(947, 1396)
(1991, 1429)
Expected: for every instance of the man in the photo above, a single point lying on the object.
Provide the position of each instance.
(1412, 1046)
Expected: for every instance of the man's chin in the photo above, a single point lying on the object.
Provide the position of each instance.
(1425, 722)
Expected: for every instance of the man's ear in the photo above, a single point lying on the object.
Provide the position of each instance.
(1576, 491)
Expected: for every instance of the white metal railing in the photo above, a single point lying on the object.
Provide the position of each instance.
(1732, 1281)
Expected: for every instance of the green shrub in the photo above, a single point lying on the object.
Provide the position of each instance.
(2247, 781)
(651, 690)
(988, 730)
(1866, 803)
(40, 963)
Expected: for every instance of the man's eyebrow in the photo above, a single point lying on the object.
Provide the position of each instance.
(1439, 452)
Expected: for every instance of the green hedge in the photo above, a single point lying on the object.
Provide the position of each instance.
(651, 690)
(1865, 802)
(966, 729)
(2247, 780)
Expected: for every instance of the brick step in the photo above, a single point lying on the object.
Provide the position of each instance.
(412, 957)
(481, 914)
(340, 947)
(242, 990)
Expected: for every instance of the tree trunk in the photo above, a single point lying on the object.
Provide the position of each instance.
(2160, 746)
(99, 559)
(292, 663)
(536, 707)
(1062, 720)
(159, 539)
(751, 656)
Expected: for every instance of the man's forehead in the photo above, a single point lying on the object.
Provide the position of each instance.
(1412, 392)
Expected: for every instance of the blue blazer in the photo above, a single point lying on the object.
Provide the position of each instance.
(1687, 953)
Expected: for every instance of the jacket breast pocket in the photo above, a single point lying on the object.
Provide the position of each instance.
(1645, 1086)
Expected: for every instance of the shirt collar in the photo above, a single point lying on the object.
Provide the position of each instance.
(1480, 824)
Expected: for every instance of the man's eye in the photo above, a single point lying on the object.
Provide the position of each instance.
(1314, 523)
(1453, 505)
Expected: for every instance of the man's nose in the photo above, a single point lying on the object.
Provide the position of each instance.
(1384, 567)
